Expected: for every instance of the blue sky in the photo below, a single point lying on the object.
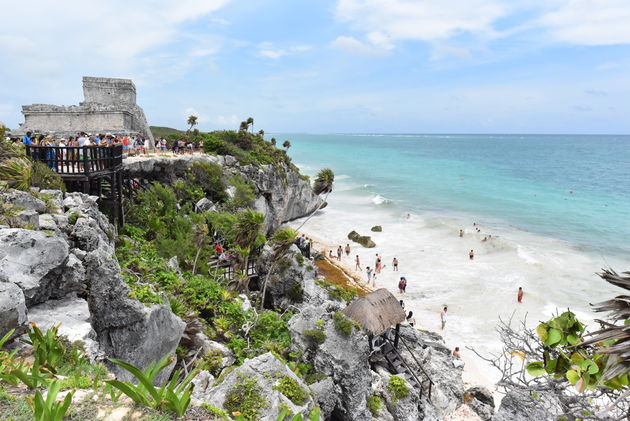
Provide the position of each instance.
(388, 66)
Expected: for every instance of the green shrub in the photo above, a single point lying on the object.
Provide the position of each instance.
(16, 172)
(145, 294)
(398, 388)
(374, 404)
(213, 410)
(299, 258)
(246, 397)
(207, 176)
(314, 378)
(291, 389)
(342, 323)
(296, 293)
(315, 336)
(244, 193)
(45, 178)
(49, 409)
(73, 217)
(336, 292)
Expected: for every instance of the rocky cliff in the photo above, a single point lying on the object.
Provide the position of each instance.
(281, 194)
(57, 263)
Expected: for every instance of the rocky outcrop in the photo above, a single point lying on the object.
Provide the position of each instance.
(263, 381)
(519, 405)
(364, 240)
(480, 400)
(12, 308)
(281, 194)
(76, 255)
(376, 228)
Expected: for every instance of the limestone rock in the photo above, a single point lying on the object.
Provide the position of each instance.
(56, 197)
(32, 260)
(480, 400)
(23, 199)
(73, 316)
(267, 371)
(28, 218)
(327, 395)
(364, 240)
(12, 308)
(125, 328)
(518, 405)
(376, 228)
(402, 408)
(204, 205)
(343, 358)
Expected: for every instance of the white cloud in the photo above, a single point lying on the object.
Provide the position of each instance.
(353, 45)
(589, 22)
(267, 50)
(385, 22)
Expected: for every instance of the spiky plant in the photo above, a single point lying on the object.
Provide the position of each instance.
(16, 172)
(45, 178)
(324, 181)
(616, 329)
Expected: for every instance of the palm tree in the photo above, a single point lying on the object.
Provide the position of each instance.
(618, 363)
(243, 126)
(323, 184)
(324, 181)
(248, 226)
(273, 141)
(261, 132)
(250, 120)
(192, 122)
(286, 145)
(281, 240)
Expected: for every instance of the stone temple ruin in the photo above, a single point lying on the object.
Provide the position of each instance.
(109, 107)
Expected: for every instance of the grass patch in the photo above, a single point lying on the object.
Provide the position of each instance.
(374, 404)
(246, 397)
(292, 390)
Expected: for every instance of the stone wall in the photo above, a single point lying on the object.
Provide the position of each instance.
(109, 107)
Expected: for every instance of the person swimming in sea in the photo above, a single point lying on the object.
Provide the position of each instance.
(471, 255)
(519, 296)
(395, 264)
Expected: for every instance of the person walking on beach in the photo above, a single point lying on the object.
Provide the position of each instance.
(378, 264)
(374, 280)
(395, 264)
(402, 285)
(402, 304)
(330, 255)
(339, 253)
(347, 249)
(369, 274)
(357, 263)
(471, 255)
(461, 233)
(519, 297)
(443, 317)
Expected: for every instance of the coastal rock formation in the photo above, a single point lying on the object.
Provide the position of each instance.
(517, 405)
(480, 400)
(281, 194)
(75, 255)
(264, 382)
(364, 240)
(376, 228)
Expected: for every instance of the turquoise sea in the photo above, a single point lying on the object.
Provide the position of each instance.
(519, 180)
(423, 189)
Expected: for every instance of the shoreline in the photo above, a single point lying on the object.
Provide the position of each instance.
(472, 371)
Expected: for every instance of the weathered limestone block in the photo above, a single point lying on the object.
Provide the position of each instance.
(12, 308)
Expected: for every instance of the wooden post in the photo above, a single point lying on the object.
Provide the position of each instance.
(397, 336)
(85, 160)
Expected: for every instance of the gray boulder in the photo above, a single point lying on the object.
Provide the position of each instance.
(265, 373)
(33, 261)
(204, 205)
(481, 401)
(73, 317)
(364, 240)
(403, 408)
(327, 395)
(343, 358)
(520, 405)
(376, 228)
(125, 328)
(23, 199)
(12, 308)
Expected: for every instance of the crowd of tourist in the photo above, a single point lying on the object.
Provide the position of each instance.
(132, 145)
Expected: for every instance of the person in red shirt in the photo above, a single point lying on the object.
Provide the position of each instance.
(520, 295)
(218, 248)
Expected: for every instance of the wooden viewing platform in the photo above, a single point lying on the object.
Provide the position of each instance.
(94, 170)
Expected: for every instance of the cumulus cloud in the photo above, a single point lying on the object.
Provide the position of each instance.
(589, 22)
(355, 46)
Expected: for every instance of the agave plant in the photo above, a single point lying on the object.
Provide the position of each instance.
(324, 181)
(612, 332)
(16, 172)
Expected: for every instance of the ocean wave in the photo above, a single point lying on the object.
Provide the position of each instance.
(380, 200)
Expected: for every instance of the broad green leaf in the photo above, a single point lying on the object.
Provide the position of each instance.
(551, 366)
(554, 337)
(573, 340)
(542, 331)
(573, 376)
(535, 368)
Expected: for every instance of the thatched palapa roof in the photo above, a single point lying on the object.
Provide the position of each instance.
(376, 311)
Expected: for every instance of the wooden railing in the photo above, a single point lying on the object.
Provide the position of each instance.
(78, 160)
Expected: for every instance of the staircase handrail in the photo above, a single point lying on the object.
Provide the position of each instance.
(402, 360)
(419, 365)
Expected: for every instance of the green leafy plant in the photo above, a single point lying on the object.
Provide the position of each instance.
(374, 404)
(324, 181)
(48, 349)
(313, 416)
(291, 389)
(16, 172)
(246, 398)
(398, 388)
(172, 396)
(43, 177)
(342, 323)
(49, 409)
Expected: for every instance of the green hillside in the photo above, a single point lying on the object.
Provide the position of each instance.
(159, 131)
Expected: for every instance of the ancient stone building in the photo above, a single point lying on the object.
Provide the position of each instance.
(109, 107)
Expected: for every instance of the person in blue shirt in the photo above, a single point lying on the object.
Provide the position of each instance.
(27, 139)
